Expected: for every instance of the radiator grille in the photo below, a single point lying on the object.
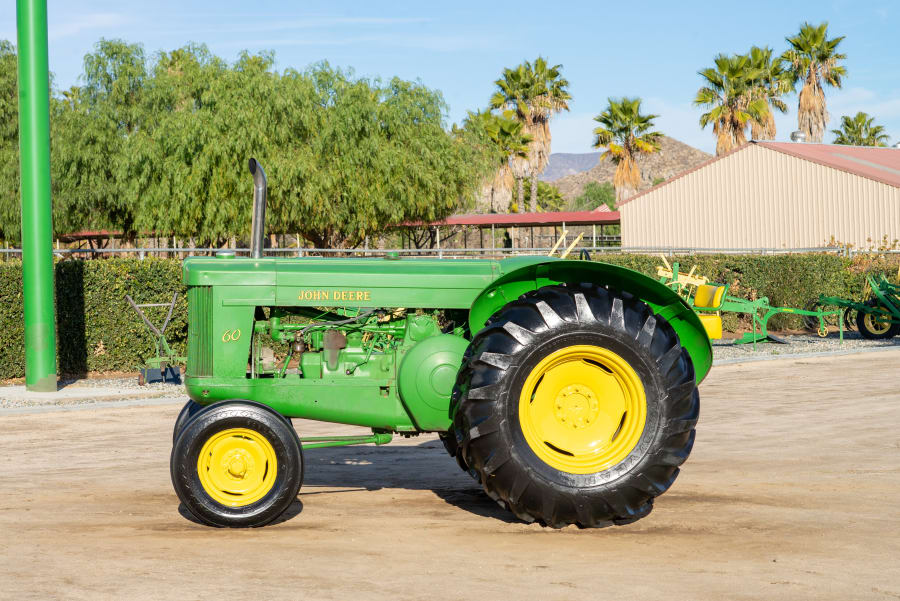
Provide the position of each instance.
(200, 347)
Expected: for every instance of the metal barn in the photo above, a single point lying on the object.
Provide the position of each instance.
(773, 195)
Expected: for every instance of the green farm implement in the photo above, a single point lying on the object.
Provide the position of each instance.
(567, 389)
(710, 300)
(878, 314)
(165, 365)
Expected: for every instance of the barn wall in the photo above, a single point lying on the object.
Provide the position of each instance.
(762, 198)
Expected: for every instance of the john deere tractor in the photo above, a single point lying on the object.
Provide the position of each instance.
(567, 389)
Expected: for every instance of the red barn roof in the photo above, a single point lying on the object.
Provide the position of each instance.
(879, 164)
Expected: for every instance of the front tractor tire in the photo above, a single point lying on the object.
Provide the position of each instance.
(576, 405)
(237, 465)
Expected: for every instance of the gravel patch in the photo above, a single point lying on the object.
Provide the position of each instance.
(725, 351)
(88, 391)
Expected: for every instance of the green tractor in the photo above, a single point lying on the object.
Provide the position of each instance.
(567, 389)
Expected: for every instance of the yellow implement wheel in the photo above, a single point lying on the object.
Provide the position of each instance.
(582, 409)
(237, 467)
(877, 324)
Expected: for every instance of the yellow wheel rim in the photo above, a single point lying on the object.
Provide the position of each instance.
(877, 323)
(582, 409)
(237, 467)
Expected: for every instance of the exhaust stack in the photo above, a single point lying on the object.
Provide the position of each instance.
(258, 225)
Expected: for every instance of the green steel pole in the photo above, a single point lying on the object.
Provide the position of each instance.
(37, 229)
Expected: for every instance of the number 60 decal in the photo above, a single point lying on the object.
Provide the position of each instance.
(231, 336)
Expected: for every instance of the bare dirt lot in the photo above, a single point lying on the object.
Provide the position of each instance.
(791, 493)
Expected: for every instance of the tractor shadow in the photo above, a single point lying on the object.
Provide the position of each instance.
(425, 466)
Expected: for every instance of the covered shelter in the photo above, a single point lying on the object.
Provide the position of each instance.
(525, 230)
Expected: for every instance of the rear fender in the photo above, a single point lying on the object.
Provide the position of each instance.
(661, 299)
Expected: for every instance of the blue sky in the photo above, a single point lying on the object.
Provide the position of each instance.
(648, 49)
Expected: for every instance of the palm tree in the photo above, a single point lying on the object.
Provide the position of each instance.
(814, 59)
(535, 92)
(860, 130)
(771, 83)
(728, 93)
(626, 134)
(508, 141)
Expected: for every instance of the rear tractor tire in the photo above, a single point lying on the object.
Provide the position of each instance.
(237, 465)
(575, 405)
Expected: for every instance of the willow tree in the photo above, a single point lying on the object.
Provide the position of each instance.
(10, 223)
(771, 82)
(814, 60)
(860, 130)
(728, 93)
(626, 134)
(535, 92)
(92, 129)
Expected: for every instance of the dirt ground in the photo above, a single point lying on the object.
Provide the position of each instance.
(791, 493)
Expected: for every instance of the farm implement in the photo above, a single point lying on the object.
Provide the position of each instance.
(566, 389)
(877, 316)
(165, 365)
(710, 300)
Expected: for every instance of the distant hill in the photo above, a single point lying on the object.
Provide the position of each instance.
(673, 158)
(567, 163)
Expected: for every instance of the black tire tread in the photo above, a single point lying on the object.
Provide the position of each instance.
(500, 346)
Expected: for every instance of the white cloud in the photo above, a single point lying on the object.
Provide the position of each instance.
(852, 100)
(77, 25)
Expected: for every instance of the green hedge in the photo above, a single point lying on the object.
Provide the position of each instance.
(98, 331)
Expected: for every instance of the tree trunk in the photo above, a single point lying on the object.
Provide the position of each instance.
(520, 199)
(532, 206)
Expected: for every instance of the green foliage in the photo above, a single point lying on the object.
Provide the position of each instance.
(593, 195)
(549, 198)
(730, 92)
(9, 144)
(502, 135)
(626, 133)
(814, 60)
(860, 130)
(161, 145)
(96, 328)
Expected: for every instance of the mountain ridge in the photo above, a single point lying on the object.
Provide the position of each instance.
(673, 158)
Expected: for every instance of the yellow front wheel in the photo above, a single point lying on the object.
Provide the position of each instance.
(237, 464)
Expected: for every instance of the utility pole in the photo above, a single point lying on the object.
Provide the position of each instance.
(37, 228)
